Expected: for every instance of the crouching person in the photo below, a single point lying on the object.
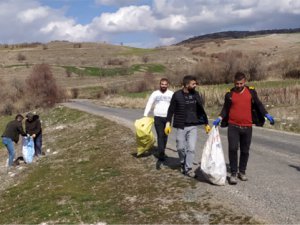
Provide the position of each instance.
(11, 134)
(34, 129)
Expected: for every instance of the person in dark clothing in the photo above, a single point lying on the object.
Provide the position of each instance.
(241, 109)
(11, 134)
(34, 129)
(187, 107)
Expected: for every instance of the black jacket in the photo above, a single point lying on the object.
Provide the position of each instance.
(257, 108)
(177, 108)
(13, 130)
(33, 126)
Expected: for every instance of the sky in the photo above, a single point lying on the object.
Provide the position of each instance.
(138, 23)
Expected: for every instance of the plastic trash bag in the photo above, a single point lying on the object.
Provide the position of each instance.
(144, 136)
(28, 149)
(212, 162)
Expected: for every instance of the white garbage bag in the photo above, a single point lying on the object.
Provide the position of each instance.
(28, 149)
(212, 162)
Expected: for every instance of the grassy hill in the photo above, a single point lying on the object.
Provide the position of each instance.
(118, 74)
(90, 176)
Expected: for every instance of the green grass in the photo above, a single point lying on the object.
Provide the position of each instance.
(136, 95)
(151, 68)
(18, 65)
(118, 71)
(94, 178)
(138, 51)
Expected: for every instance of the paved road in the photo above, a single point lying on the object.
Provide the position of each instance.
(272, 193)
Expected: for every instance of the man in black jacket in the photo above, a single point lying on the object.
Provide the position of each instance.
(11, 134)
(241, 109)
(34, 129)
(187, 107)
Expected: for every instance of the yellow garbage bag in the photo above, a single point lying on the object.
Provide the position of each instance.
(144, 135)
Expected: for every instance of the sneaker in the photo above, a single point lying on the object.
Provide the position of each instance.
(233, 179)
(190, 173)
(162, 157)
(182, 168)
(242, 176)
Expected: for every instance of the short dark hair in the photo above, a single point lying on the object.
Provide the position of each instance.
(239, 76)
(164, 79)
(187, 79)
(19, 116)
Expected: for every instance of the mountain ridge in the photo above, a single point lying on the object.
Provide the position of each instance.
(236, 35)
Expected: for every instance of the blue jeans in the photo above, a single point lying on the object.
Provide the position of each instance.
(10, 148)
(38, 145)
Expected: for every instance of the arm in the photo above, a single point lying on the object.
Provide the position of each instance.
(149, 104)
(171, 109)
(226, 106)
(260, 106)
(38, 127)
(20, 129)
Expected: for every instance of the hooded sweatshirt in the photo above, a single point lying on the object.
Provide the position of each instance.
(33, 126)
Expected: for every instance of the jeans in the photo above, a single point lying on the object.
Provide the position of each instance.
(186, 143)
(38, 145)
(10, 148)
(239, 137)
(162, 138)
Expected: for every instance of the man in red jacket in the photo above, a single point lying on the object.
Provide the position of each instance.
(241, 109)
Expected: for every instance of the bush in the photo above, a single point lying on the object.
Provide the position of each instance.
(42, 87)
(115, 62)
(77, 45)
(146, 84)
(293, 74)
(21, 57)
(74, 92)
(7, 109)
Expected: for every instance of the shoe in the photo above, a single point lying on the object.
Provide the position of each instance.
(242, 176)
(162, 157)
(233, 179)
(190, 173)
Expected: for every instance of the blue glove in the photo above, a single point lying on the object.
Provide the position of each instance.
(217, 122)
(270, 118)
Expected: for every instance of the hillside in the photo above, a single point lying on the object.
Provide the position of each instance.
(123, 76)
(237, 34)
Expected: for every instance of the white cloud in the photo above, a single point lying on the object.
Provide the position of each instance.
(126, 19)
(167, 41)
(30, 15)
(169, 20)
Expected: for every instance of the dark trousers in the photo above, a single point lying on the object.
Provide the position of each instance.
(239, 137)
(38, 145)
(162, 138)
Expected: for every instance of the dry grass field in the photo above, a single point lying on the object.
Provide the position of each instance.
(121, 76)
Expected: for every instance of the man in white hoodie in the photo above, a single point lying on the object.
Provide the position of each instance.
(161, 100)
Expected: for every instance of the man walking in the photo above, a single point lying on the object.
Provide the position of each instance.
(241, 109)
(34, 129)
(161, 100)
(187, 107)
(11, 134)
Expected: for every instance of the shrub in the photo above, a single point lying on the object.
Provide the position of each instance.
(42, 87)
(115, 62)
(294, 74)
(77, 45)
(145, 58)
(147, 83)
(21, 57)
(74, 92)
(7, 108)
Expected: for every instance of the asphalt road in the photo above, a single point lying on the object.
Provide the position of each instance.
(272, 193)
